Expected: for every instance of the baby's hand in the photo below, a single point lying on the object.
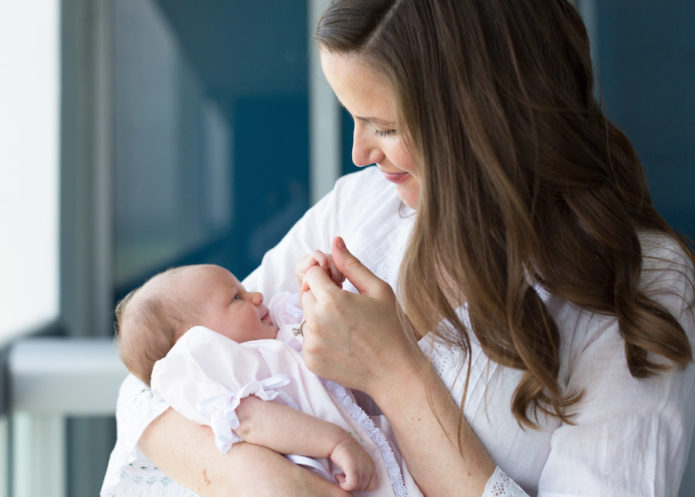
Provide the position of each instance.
(322, 260)
(359, 472)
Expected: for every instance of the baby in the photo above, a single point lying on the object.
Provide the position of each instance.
(225, 377)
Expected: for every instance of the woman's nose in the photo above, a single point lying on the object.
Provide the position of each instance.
(365, 150)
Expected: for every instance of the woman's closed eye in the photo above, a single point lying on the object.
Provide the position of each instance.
(385, 132)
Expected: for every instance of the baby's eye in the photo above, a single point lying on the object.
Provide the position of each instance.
(236, 297)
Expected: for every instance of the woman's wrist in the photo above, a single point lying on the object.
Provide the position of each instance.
(411, 369)
(442, 452)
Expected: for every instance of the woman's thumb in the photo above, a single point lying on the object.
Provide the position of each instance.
(361, 277)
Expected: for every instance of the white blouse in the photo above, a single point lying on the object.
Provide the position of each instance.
(629, 438)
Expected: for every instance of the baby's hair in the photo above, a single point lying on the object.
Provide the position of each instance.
(147, 325)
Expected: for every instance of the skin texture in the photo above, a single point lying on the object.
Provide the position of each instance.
(377, 137)
(195, 462)
(289, 431)
(224, 304)
(324, 261)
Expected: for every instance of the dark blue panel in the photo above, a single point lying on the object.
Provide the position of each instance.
(646, 54)
(271, 158)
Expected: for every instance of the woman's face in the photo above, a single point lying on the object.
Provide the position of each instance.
(369, 98)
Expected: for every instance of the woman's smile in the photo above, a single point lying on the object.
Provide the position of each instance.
(394, 176)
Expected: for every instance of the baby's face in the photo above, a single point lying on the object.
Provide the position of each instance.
(224, 306)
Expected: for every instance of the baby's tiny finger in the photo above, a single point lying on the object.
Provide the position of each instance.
(321, 259)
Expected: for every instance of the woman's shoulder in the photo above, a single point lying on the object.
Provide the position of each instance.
(661, 251)
(667, 271)
(667, 277)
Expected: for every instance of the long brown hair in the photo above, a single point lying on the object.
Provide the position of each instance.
(523, 182)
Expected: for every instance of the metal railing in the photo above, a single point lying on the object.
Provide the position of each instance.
(51, 379)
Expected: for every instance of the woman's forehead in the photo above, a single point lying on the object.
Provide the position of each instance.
(364, 91)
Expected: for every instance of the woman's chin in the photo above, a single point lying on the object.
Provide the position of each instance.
(409, 194)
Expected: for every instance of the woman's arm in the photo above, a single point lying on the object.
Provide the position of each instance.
(191, 458)
(358, 341)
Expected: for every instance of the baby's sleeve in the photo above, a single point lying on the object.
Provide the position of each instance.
(206, 375)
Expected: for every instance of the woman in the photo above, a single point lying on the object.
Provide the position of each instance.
(544, 347)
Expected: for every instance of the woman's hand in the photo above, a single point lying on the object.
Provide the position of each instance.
(186, 452)
(356, 340)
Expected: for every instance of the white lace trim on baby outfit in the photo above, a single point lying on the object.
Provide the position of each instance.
(393, 469)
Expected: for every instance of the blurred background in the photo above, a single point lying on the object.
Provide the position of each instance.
(140, 134)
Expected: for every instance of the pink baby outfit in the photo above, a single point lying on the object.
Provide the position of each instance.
(205, 376)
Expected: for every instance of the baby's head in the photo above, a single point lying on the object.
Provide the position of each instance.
(151, 318)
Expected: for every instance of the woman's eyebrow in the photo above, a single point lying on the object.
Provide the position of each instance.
(375, 120)
(368, 119)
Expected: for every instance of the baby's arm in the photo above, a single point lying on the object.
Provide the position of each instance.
(288, 431)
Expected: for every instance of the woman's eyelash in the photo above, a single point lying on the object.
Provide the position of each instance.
(387, 132)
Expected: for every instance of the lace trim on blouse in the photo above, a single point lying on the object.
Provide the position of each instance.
(500, 485)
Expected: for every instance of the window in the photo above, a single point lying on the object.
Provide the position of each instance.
(29, 155)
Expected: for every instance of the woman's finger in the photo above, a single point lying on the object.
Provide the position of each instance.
(307, 300)
(362, 278)
(320, 283)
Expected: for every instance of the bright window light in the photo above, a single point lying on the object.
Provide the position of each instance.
(29, 158)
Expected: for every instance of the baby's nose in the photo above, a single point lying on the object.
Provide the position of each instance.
(256, 298)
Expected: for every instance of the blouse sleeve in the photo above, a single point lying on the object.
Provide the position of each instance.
(206, 375)
(628, 436)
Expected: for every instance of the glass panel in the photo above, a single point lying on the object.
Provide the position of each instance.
(210, 132)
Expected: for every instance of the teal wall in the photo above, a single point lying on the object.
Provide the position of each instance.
(646, 65)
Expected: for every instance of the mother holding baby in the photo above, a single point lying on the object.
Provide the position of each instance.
(514, 304)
